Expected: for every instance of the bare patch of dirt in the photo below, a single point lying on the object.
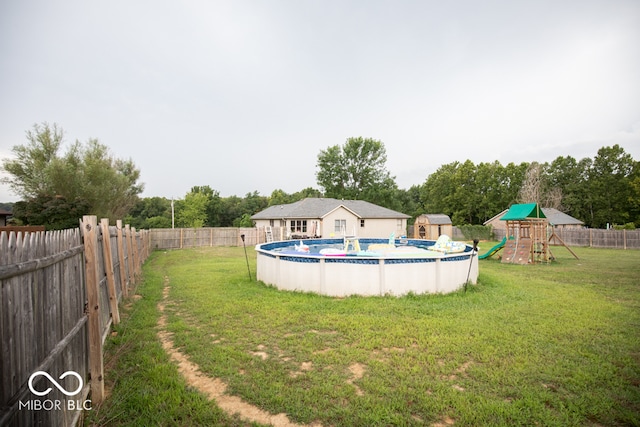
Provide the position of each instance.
(460, 371)
(446, 421)
(214, 388)
(463, 368)
(216, 340)
(357, 372)
(314, 331)
(261, 354)
(304, 367)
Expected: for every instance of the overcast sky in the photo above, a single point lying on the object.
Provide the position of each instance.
(242, 95)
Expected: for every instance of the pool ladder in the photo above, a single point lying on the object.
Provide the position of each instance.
(351, 242)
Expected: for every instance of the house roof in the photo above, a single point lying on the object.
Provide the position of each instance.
(495, 217)
(437, 219)
(5, 212)
(523, 211)
(560, 218)
(320, 207)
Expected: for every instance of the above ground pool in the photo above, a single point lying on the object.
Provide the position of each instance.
(367, 267)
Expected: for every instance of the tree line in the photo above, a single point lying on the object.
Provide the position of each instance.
(58, 188)
(599, 191)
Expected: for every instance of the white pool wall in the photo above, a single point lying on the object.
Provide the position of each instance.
(367, 276)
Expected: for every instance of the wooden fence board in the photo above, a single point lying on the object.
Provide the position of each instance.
(108, 266)
(129, 250)
(121, 258)
(113, 237)
(92, 279)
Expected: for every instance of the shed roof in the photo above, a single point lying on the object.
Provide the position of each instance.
(523, 211)
(437, 219)
(313, 207)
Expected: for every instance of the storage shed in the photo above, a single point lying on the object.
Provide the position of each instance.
(432, 226)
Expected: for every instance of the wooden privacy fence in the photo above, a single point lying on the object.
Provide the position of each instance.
(59, 294)
(177, 238)
(593, 238)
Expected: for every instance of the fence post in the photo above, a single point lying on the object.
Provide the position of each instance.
(123, 273)
(96, 368)
(108, 268)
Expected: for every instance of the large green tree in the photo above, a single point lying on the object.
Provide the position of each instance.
(29, 173)
(150, 212)
(213, 206)
(54, 212)
(610, 187)
(356, 170)
(91, 172)
(86, 175)
(191, 212)
(634, 199)
(569, 177)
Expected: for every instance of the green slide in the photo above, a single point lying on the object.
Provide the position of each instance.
(494, 249)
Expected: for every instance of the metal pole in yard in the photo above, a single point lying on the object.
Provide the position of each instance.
(245, 255)
(473, 251)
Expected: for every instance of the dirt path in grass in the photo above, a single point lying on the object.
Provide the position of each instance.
(214, 388)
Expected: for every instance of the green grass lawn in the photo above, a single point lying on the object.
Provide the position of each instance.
(555, 344)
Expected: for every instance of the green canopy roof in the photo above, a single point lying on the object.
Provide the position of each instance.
(522, 212)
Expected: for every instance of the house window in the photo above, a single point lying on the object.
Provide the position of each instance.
(271, 222)
(362, 223)
(341, 225)
(299, 226)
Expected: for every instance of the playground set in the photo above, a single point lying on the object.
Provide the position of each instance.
(527, 239)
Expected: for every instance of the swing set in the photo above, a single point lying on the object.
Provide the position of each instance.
(528, 236)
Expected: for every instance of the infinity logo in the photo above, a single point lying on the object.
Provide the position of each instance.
(55, 383)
